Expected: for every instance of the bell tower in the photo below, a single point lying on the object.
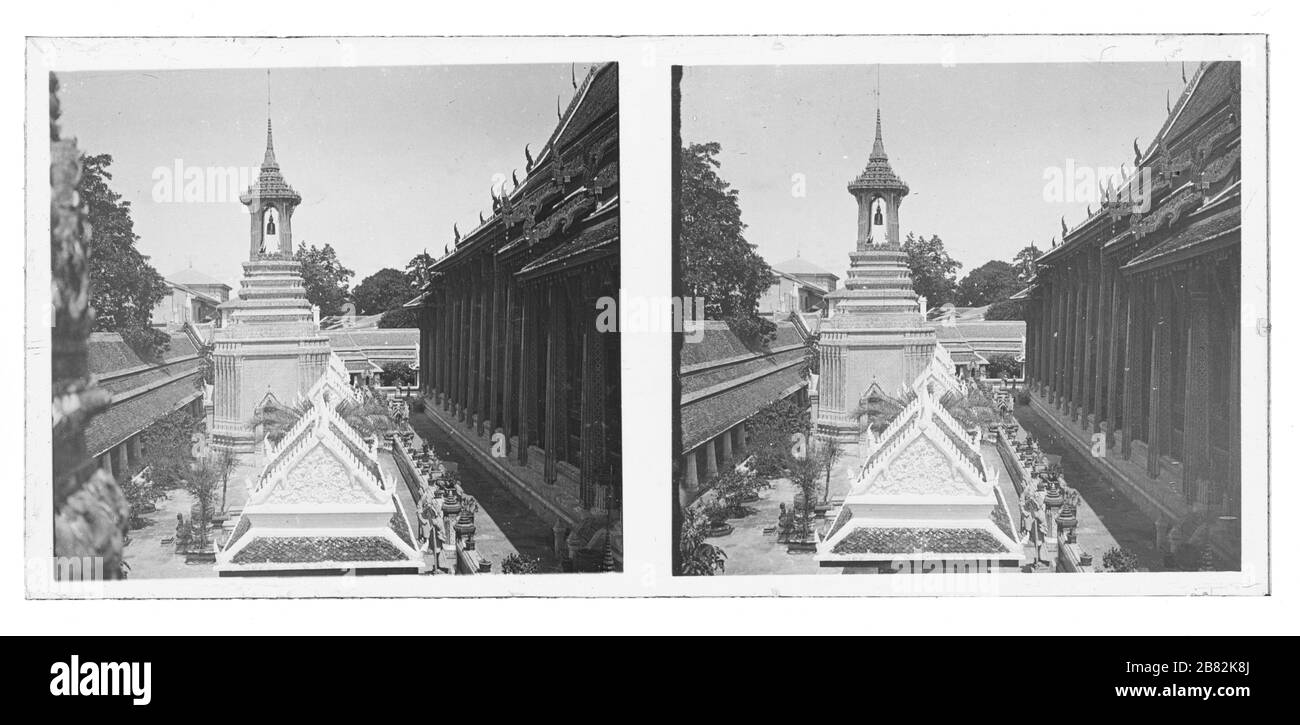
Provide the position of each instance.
(269, 346)
(879, 193)
(876, 333)
(270, 201)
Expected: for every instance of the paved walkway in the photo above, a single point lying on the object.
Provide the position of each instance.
(504, 524)
(149, 558)
(751, 551)
(1107, 518)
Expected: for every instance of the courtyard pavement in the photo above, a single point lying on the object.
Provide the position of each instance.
(752, 551)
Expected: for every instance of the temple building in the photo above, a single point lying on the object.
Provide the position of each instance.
(322, 504)
(875, 332)
(268, 346)
(923, 499)
(725, 381)
(142, 392)
(367, 352)
(1134, 324)
(509, 335)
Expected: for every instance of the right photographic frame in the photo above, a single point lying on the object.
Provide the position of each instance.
(966, 320)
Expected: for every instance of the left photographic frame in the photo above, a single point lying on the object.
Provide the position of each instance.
(320, 321)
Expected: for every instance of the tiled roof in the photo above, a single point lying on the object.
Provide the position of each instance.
(725, 380)
(705, 419)
(142, 392)
(989, 330)
(1202, 232)
(122, 420)
(717, 343)
(898, 540)
(844, 517)
(1213, 86)
(241, 528)
(109, 355)
(398, 524)
(1000, 517)
(602, 237)
(346, 339)
(316, 549)
(598, 101)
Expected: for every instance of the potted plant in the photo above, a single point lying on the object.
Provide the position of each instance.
(715, 512)
(698, 557)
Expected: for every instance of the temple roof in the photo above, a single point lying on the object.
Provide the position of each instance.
(879, 175)
(923, 492)
(1215, 231)
(908, 540)
(270, 183)
(321, 502)
(725, 381)
(142, 391)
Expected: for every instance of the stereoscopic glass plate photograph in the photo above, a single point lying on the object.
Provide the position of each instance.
(962, 318)
(345, 317)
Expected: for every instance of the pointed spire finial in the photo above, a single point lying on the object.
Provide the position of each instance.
(268, 159)
(558, 114)
(878, 148)
(573, 75)
(455, 229)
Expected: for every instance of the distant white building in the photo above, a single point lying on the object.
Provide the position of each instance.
(193, 298)
(797, 286)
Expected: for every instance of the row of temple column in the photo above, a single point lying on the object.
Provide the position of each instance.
(498, 354)
(128, 456)
(1123, 355)
(713, 456)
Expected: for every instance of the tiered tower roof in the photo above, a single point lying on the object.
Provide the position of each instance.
(270, 183)
(878, 175)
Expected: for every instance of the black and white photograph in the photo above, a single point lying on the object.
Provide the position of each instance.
(574, 319)
(321, 321)
(963, 318)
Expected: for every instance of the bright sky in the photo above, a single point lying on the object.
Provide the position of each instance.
(972, 142)
(386, 159)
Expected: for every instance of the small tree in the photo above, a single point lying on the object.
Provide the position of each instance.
(168, 448)
(516, 563)
(399, 373)
(829, 454)
(699, 557)
(202, 485)
(225, 460)
(1002, 365)
(804, 474)
(370, 417)
(142, 496)
(1119, 560)
(276, 419)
